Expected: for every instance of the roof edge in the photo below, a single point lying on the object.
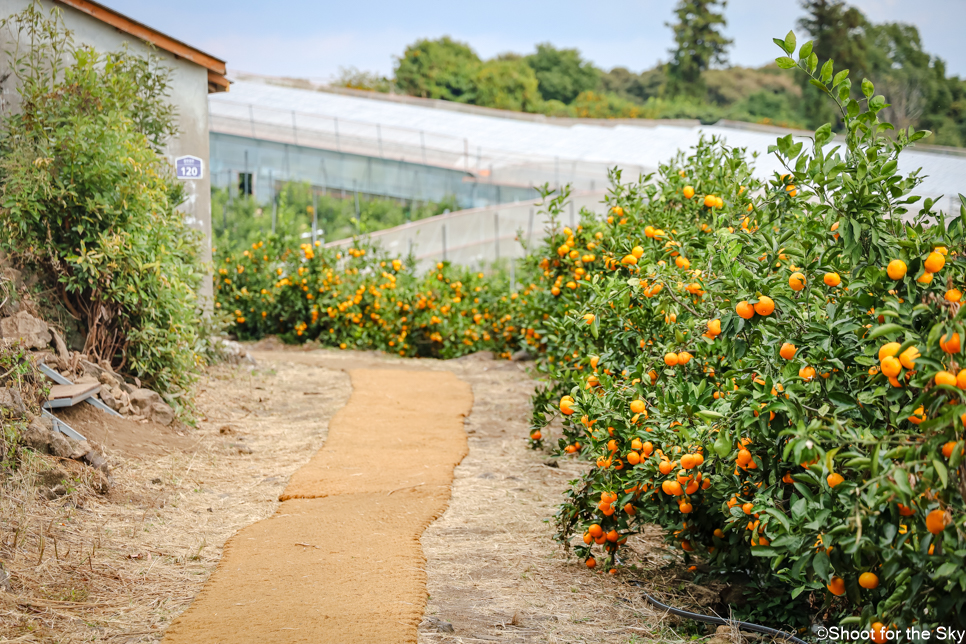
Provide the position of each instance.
(139, 30)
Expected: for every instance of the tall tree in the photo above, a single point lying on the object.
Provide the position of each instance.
(838, 32)
(442, 68)
(562, 74)
(699, 44)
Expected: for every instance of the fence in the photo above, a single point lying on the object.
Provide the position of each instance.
(480, 236)
(410, 145)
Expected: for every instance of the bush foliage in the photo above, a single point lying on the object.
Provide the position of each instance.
(89, 204)
(768, 369)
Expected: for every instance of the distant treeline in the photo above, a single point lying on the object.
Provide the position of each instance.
(697, 81)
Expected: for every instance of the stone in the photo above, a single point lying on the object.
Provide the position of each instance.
(108, 398)
(25, 328)
(241, 449)
(56, 492)
(107, 380)
(160, 413)
(5, 581)
(126, 388)
(62, 354)
(60, 445)
(101, 482)
(521, 356)
(78, 449)
(11, 402)
(142, 399)
(95, 459)
(37, 437)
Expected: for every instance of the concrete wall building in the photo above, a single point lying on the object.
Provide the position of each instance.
(195, 74)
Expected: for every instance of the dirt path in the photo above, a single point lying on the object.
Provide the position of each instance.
(340, 560)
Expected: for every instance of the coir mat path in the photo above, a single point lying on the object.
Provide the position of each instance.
(340, 561)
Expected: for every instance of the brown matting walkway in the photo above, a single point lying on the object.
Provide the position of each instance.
(340, 561)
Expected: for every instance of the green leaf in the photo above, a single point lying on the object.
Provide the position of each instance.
(941, 471)
(867, 87)
(784, 62)
(789, 45)
(805, 50)
(840, 77)
(826, 75)
(884, 329)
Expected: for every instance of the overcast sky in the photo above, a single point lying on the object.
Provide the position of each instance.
(311, 39)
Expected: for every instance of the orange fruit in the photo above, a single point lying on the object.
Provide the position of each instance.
(796, 281)
(945, 378)
(671, 359)
(925, 278)
(908, 357)
(834, 479)
(961, 379)
(936, 521)
(536, 435)
(595, 530)
(745, 310)
(905, 511)
(685, 508)
(710, 201)
(953, 295)
(714, 327)
(638, 406)
(891, 367)
(868, 580)
(951, 343)
(688, 192)
(684, 357)
(764, 306)
(672, 487)
(832, 279)
(647, 448)
(744, 457)
(806, 373)
(612, 536)
(787, 351)
(889, 349)
(682, 262)
(948, 448)
(665, 467)
(918, 415)
(591, 562)
(747, 507)
(879, 633)
(836, 586)
(896, 269)
(633, 458)
(934, 262)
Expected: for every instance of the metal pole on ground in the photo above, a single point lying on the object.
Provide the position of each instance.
(251, 118)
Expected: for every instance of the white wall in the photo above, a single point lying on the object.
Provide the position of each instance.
(188, 93)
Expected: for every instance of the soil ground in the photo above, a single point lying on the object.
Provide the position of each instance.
(128, 564)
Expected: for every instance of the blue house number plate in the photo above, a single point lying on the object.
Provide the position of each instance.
(189, 167)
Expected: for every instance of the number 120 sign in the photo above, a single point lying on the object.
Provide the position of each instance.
(189, 167)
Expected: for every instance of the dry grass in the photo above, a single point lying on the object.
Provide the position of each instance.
(119, 568)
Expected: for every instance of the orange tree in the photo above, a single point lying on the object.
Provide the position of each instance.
(770, 371)
(362, 298)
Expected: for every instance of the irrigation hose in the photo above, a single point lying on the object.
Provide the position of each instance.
(710, 619)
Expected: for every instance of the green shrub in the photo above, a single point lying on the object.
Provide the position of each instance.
(827, 471)
(89, 204)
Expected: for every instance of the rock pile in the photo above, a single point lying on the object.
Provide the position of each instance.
(130, 400)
